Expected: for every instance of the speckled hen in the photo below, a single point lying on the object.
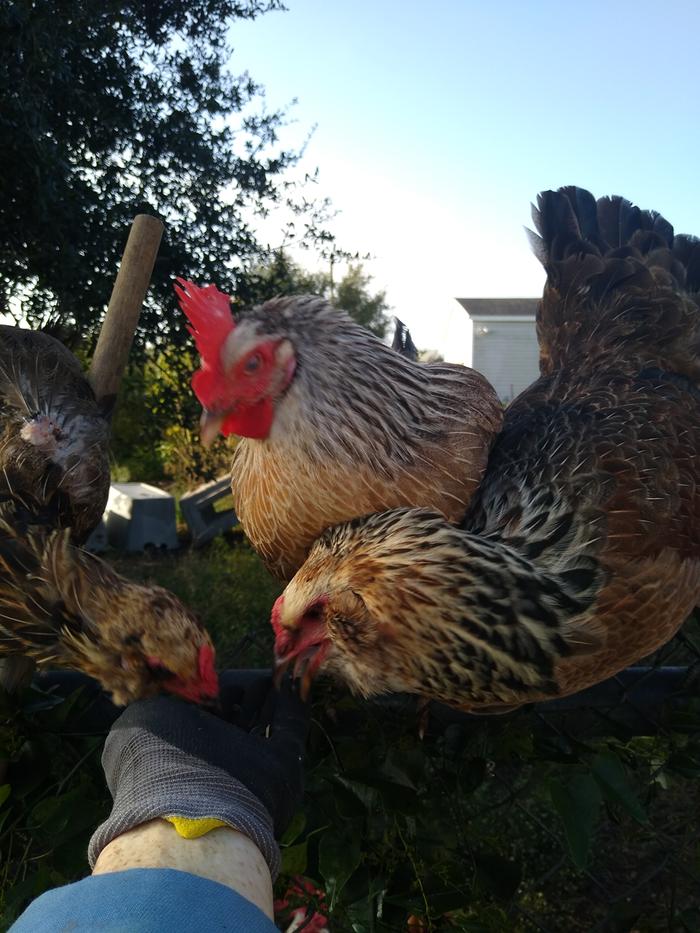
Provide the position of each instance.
(62, 606)
(334, 423)
(580, 553)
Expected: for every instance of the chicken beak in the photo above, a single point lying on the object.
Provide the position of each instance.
(281, 665)
(305, 669)
(306, 664)
(306, 680)
(210, 425)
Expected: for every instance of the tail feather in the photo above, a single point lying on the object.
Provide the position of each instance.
(403, 342)
(620, 283)
(686, 250)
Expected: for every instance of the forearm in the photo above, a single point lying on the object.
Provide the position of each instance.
(222, 855)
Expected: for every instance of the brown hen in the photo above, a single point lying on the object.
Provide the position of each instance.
(334, 423)
(54, 439)
(62, 606)
(580, 552)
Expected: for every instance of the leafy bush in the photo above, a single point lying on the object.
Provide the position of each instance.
(155, 429)
(495, 825)
(54, 796)
(115, 108)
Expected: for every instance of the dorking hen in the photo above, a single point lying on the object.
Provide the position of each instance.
(334, 423)
(65, 607)
(54, 438)
(580, 552)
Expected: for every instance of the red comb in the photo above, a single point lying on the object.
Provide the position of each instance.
(209, 313)
(207, 671)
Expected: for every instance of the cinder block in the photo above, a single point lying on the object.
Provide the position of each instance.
(139, 516)
(98, 541)
(198, 510)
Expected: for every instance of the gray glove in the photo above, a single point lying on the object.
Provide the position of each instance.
(166, 758)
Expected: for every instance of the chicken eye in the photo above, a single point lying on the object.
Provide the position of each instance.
(314, 612)
(252, 364)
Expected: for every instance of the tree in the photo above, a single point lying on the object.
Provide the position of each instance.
(111, 107)
(278, 275)
(352, 296)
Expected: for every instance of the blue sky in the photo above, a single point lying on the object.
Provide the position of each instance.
(438, 123)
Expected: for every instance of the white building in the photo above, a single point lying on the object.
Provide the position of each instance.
(504, 344)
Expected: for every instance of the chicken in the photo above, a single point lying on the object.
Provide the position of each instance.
(54, 466)
(63, 606)
(580, 552)
(334, 423)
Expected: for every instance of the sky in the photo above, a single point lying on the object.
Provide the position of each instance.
(437, 123)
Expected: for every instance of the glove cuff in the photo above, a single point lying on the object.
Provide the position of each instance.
(187, 790)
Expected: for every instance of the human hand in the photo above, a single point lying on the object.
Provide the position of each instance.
(165, 758)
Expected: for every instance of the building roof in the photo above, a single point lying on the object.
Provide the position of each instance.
(499, 307)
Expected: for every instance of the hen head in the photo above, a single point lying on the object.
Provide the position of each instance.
(155, 645)
(405, 602)
(246, 366)
(347, 612)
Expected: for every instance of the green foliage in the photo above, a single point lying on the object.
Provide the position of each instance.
(155, 429)
(609, 773)
(280, 275)
(500, 825)
(114, 108)
(578, 804)
(352, 296)
(54, 798)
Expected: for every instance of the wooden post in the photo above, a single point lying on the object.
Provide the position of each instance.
(118, 328)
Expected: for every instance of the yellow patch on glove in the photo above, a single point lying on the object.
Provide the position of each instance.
(193, 829)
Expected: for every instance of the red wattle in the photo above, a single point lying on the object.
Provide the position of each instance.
(207, 671)
(253, 420)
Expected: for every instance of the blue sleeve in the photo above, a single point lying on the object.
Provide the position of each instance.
(143, 900)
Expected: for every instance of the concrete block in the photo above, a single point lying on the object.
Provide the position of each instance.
(139, 516)
(198, 510)
(98, 541)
